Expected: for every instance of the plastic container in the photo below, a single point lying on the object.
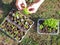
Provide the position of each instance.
(14, 30)
(40, 21)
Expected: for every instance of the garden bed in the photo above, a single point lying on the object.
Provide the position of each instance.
(16, 25)
(30, 2)
(48, 26)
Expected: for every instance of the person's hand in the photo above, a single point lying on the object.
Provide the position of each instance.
(20, 4)
(33, 8)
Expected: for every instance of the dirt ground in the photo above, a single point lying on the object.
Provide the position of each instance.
(49, 9)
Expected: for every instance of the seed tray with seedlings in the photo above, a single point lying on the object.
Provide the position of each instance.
(12, 30)
(21, 21)
(15, 26)
(48, 26)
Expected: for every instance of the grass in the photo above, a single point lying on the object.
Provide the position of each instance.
(49, 9)
(29, 41)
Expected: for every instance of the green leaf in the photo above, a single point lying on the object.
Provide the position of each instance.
(25, 11)
(41, 27)
(26, 26)
(53, 23)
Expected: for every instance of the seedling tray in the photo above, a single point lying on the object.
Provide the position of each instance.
(40, 21)
(16, 25)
